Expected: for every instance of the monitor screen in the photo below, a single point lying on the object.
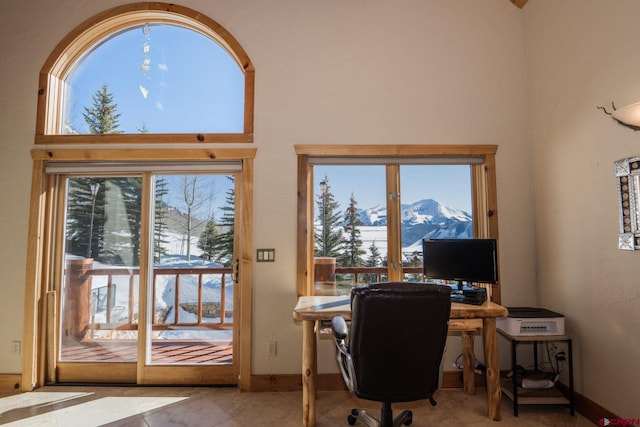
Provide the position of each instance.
(464, 260)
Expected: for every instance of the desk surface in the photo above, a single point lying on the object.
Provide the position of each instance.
(325, 307)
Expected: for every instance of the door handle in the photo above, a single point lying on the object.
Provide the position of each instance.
(235, 271)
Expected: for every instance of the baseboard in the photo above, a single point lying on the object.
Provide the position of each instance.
(10, 383)
(453, 379)
(588, 408)
(293, 382)
(286, 382)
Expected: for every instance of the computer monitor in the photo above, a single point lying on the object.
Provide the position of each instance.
(462, 260)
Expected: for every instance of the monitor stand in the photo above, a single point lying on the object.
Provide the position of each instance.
(468, 294)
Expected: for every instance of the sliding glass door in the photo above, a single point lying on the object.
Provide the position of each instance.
(193, 258)
(101, 262)
(146, 278)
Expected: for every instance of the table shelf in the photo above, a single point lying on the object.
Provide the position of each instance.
(524, 396)
(527, 396)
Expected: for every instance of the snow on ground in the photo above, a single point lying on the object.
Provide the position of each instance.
(165, 285)
(165, 292)
(371, 234)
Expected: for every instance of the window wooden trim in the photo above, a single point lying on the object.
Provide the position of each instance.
(484, 193)
(84, 37)
(38, 318)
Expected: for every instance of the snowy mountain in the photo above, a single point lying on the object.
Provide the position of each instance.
(375, 216)
(432, 212)
(424, 211)
(426, 218)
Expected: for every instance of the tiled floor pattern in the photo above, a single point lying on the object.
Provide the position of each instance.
(78, 406)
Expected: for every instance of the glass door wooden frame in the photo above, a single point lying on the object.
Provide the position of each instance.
(41, 299)
(484, 195)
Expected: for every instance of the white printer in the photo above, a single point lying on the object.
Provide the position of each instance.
(531, 321)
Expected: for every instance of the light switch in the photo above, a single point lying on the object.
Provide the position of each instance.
(266, 255)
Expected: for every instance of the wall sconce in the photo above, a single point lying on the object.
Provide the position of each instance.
(628, 115)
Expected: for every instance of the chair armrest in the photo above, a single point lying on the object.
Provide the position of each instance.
(340, 332)
(339, 327)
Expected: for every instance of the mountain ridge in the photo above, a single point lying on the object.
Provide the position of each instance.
(426, 218)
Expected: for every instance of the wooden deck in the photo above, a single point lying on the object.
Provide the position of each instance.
(162, 351)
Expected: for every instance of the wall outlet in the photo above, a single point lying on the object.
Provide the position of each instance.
(15, 347)
(272, 348)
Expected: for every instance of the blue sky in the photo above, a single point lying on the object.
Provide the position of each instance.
(173, 79)
(448, 184)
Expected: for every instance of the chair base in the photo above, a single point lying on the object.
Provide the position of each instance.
(404, 418)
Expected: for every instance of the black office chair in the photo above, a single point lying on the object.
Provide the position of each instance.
(396, 341)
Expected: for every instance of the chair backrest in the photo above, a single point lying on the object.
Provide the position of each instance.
(397, 338)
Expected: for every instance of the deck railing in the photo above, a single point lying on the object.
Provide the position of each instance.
(202, 309)
(168, 317)
(348, 277)
(103, 300)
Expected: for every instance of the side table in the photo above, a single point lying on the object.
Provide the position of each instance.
(521, 396)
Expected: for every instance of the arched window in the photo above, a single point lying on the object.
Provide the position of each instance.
(137, 76)
(147, 73)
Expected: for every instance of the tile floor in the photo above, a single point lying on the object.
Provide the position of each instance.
(77, 406)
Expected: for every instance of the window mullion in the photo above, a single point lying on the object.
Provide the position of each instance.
(146, 275)
(394, 248)
(479, 188)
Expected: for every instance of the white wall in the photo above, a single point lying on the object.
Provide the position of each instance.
(582, 54)
(366, 72)
(345, 72)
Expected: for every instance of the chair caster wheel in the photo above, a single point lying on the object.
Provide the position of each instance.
(351, 419)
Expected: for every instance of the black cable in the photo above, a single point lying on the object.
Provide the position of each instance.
(457, 362)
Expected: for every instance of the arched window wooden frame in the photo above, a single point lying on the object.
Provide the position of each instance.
(84, 37)
(52, 147)
(484, 195)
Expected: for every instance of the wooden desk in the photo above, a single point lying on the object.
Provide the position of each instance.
(311, 310)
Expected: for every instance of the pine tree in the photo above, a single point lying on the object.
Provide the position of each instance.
(374, 260)
(328, 239)
(223, 245)
(114, 236)
(102, 117)
(208, 238)
(143, 128)
(85, 214)
(129, 233)
(352, 255)
(85, 217)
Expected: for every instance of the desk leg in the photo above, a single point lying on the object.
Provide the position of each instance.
(494, 392)
(468, 377)
(309, 372)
